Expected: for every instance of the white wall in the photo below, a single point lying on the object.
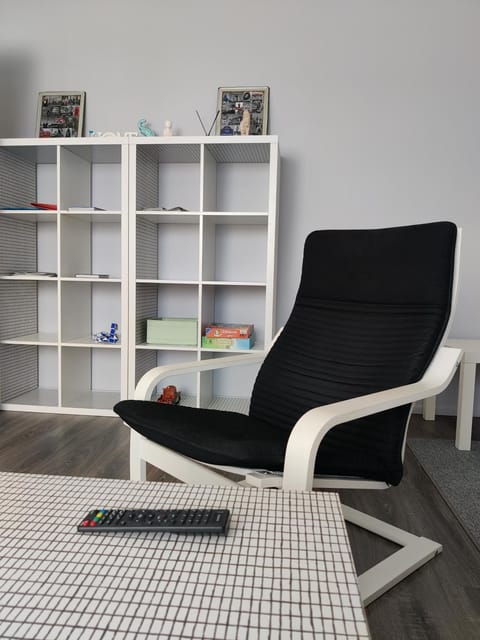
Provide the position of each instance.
(376, 102)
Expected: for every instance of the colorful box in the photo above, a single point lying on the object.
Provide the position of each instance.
(228, 343)
(173, 331)
(228, 330)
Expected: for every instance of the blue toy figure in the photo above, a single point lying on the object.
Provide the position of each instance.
(113, 335)
(144, 129)
(104, 336)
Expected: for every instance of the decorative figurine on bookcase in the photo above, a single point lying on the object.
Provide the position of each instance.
(245, 123)
(105, 336)
(170, 395)
(144, 129)
(167, 128)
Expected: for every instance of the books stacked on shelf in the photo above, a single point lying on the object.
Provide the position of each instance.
(228, 336)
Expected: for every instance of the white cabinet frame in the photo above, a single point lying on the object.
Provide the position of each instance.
(48, 359)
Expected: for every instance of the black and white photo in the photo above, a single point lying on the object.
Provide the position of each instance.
(60, 114)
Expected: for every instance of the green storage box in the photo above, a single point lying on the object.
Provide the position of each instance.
(176, 331)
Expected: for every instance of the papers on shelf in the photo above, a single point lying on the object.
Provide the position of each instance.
(84, 209)
(164, 209)
(92, 275)
(21, 274)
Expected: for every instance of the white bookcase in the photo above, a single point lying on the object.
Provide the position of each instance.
(49, 360)
(215, 261)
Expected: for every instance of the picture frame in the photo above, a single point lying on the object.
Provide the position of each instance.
(232, 102)
(60, 114)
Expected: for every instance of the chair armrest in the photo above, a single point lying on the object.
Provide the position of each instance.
(312, 427)
(147, 383)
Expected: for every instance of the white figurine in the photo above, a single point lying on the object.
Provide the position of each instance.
(167, 128)
(245, 123)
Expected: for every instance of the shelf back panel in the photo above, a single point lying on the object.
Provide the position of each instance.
(18, 181)
(18, 370)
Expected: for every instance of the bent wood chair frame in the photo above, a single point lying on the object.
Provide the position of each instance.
(302, 448)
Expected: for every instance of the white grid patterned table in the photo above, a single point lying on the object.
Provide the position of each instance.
(283, 571)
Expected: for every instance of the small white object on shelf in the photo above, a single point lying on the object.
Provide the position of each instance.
(92, 275)
(82, 209)
(167, 128)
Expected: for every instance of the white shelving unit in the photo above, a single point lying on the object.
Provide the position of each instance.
(48, 359)
(214, 262)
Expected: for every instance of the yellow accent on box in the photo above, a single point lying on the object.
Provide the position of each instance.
(176, 331)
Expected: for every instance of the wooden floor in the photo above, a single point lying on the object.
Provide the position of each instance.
(441, 601)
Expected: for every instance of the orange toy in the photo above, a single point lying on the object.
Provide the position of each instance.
(170, 395)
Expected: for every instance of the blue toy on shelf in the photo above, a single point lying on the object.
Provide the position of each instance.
(105, 336)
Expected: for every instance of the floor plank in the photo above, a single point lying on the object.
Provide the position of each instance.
(441, 601)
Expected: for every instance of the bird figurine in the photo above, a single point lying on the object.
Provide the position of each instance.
(144, 129)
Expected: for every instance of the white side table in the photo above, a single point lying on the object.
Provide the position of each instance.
(466, 392)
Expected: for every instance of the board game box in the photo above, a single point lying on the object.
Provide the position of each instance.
(228, 343)
(228, 330)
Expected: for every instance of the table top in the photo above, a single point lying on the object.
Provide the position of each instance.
(284, 570)
(471, 348)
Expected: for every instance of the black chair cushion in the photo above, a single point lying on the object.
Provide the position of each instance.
(215, 437)
(233, 439)
(371, 309)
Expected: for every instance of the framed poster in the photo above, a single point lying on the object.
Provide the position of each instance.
(60, 114)
(242, 111)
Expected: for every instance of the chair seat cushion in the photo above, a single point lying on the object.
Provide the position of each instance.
(210, 436)
(234, 439)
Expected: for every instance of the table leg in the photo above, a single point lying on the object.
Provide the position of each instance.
(466, 392)
(429, 408)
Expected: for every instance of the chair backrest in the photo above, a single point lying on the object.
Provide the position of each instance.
(372, 308)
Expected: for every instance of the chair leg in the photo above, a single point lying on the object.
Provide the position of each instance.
(189, 471)
(138, 466)
(415, 552)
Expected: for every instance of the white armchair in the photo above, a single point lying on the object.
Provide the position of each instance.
(332, 400)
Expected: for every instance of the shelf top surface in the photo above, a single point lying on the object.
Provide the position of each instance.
(118, 140)
(166, 149)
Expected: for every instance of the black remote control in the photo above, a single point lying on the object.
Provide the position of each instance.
(167, 520)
